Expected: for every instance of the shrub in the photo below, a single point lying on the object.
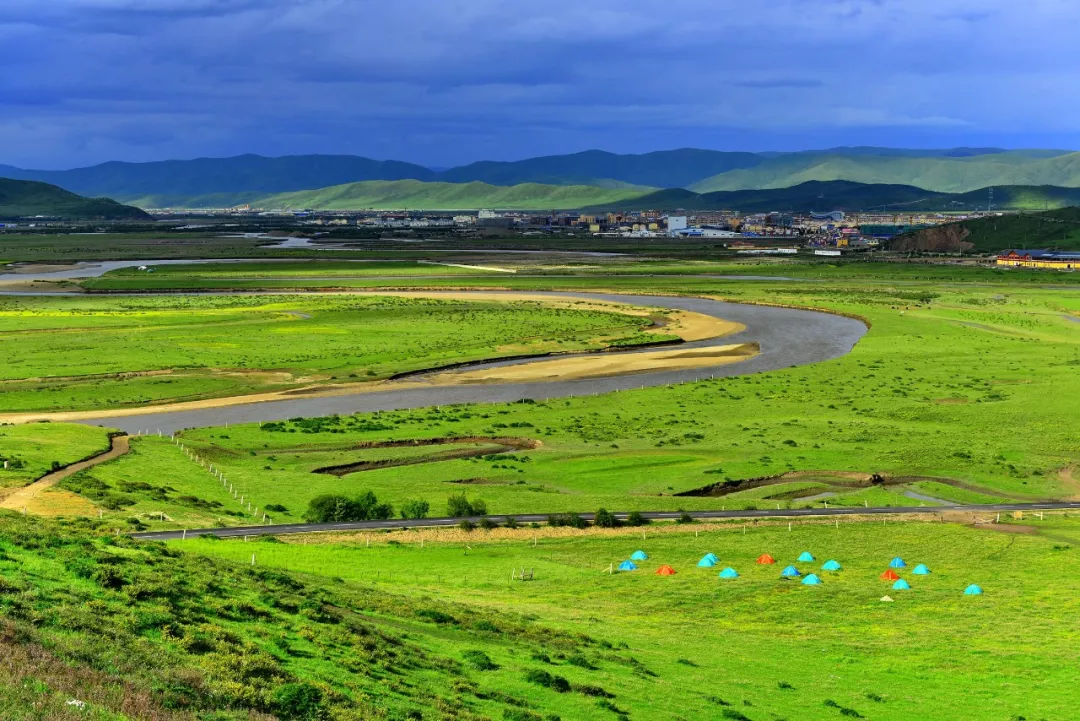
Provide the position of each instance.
(466, 525)
(297, 701)
(330, 508)
(510, 522)
(547, 680)
(594, 691)
(572, 520)
(480, 661)
(487, 524)
(685, 518)
(458, 505)
(415, 509)
(636, 519)
(276, 508)
(606, 519)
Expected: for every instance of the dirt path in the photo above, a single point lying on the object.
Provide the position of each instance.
(29, 497)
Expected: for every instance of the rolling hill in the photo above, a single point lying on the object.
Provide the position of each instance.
(940, 174)
(1056, 229)
(418, 195)
(214, 182)
(26, 198)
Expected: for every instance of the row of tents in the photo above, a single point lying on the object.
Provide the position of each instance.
(710, 559)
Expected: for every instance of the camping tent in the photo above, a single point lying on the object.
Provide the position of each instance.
(639, 556)
(790, 572)
(665, 571)
(627, 566)
(766, 559)
(831, 566)
(901, 585)
(889, 575)
(706, 562)
(897, 563)
(921, 570)
(712, 557)
(805, 557)
(729, 573)
(812, 580)
(973, 590)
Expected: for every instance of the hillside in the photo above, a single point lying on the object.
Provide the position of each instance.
(414, 194)
(136, 630)
(1056, 229)
(941, 174)
(24, 198)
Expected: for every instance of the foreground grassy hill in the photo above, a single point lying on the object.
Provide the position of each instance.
(1056, 229)
(25, 198)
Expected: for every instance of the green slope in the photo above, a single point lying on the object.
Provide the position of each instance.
(942, 174)
(415, 194)
(1054, 230)
(26, 198)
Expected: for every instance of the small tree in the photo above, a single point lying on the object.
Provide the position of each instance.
(606, 519)
(415, 509)
(458, 505)
(685, 518)
(510, 522)
(636, 519)
(487, 524)
(466, 525)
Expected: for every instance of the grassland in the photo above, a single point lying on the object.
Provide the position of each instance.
(86, 353)
(757, 646)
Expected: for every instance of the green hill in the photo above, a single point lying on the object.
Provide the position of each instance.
(26, 198)
(414, 194)
(941, 174)
(1053, 230)
(853, 197)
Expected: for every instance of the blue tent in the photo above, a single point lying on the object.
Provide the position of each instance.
(790, 572)
(712, 557)
(639, 556)
(921, 570)
(706, 562)
(973, 590)
(831, 566)
(811, 580)
(729, 573)
(897, 563)
(805, 557)
(901, 585)
(627, 566)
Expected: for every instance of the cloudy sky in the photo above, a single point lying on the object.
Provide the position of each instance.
(443, 82)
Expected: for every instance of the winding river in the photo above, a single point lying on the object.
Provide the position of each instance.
(786, 337)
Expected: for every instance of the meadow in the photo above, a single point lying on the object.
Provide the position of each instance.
(76, 353)
(756, 647)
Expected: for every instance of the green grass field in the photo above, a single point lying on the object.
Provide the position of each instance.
(87, 353)
(766, 648)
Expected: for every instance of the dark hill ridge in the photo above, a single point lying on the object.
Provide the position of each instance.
(27, 198)
(941, 170)
(1052, 230)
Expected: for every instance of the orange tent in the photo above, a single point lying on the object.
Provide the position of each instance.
(766, 559)
(889, 575)
(665, 571)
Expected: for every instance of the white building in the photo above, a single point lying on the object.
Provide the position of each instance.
(675, 223)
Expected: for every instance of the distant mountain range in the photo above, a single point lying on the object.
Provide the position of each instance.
(27, 199)
(210, 182)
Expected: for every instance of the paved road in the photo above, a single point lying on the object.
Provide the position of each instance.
(284, 529)
(787, 337)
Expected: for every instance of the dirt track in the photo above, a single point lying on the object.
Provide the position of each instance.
(29, 497)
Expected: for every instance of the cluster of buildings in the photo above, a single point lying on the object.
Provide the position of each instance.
(1051, 259)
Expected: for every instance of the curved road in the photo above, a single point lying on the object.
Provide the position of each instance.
(285, 529)
(787, 337)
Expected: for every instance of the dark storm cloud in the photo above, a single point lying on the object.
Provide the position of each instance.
(448, 81)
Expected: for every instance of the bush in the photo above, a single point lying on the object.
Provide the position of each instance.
(547, 680)
(606, 519)
(415, 509)
(466, 525)
(458, 506)
(571, 520)
(636, 519)
(487, 524)
(297, 701)
(330, 508)
(510, 522)
(275, 508)
(685, 518)
(480, 661)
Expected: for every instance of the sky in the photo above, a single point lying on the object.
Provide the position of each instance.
(446, 82)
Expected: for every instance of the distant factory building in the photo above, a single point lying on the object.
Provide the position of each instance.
(834, 215)
(675, 223)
